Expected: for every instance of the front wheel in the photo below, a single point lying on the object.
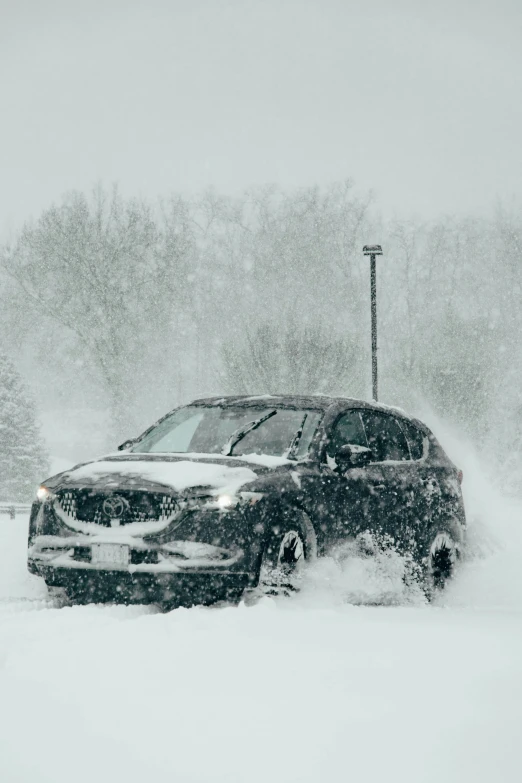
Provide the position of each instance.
(291, 543)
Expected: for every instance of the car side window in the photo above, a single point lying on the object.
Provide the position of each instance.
(347, 429)
(385, 437)
(415, 439)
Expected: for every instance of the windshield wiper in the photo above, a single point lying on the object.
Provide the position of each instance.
(290, 452)
(240, 433)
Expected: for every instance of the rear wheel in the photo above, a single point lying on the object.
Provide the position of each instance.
(440, 564)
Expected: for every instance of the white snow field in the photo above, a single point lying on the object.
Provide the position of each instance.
(320, 687)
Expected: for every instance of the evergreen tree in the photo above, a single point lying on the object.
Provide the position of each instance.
(23, 460)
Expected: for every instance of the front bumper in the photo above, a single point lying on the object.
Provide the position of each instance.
(182, 572)
(204, 555)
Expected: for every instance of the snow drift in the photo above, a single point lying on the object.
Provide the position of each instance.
(304, 689)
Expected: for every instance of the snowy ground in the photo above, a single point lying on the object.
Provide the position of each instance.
(306, 689)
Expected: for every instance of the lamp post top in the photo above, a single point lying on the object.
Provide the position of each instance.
(372, 250)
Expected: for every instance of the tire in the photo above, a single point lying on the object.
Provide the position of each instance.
(439, 564)
(291, 544)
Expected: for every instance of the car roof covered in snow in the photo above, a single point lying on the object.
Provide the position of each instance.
(318, 401)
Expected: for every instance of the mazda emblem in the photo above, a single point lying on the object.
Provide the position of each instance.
(114, 506)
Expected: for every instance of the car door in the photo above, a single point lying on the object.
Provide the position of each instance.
(340, 503)
(398, 493)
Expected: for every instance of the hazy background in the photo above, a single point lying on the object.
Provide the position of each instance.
(416, 100)
(115, 309)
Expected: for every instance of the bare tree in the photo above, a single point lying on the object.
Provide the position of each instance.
(293, 360)
(268, 291)
(97, 268)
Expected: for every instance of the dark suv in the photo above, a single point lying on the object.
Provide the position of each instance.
(235, 493)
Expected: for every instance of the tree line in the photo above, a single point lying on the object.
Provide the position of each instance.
(141, 305)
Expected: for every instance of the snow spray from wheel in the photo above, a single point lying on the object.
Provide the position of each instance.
(488, 575)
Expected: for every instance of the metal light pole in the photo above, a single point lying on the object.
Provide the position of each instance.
(372, 251)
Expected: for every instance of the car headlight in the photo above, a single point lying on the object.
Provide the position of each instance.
(226, 501)
(223, 501)
(43, 494)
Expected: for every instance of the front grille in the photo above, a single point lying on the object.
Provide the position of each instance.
(137, 557)
(82, 553)
(116, 508)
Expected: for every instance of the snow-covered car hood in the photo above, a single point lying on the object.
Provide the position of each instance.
(175, 473)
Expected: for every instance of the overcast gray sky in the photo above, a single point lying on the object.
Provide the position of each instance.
(420, 101)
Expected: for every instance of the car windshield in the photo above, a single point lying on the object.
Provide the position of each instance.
(209, 430)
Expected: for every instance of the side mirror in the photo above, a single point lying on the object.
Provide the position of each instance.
(126, 444)
(352, 456)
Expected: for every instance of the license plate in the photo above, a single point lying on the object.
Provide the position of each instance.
(110, 554)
